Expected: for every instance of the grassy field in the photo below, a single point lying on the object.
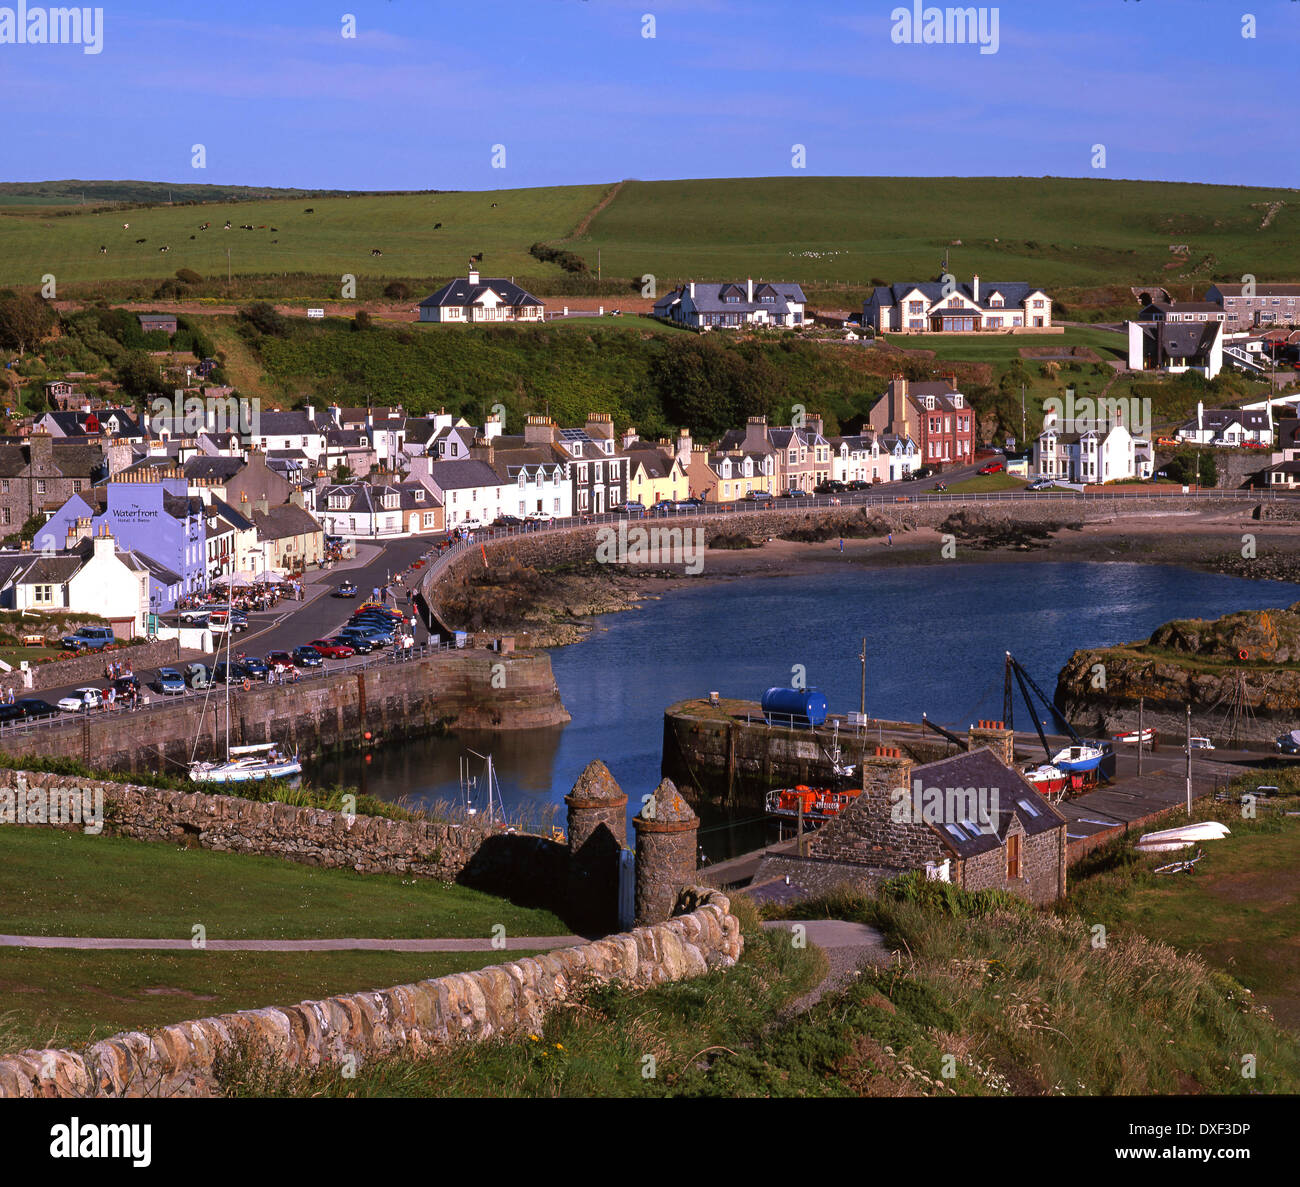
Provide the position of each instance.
(998, 348)
(982, 483)
(67, 883)
(821, 231)
(62, 998)
(1052, 231)
(336, 239)
(985, 997)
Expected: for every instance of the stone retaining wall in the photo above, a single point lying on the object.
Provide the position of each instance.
(89, 668)
(529, 865)
(408, 1021)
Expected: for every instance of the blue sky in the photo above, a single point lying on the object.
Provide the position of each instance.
(576, 94)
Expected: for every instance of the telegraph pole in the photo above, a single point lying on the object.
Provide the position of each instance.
(1141, 703)
(863, 658)
(1189, 758)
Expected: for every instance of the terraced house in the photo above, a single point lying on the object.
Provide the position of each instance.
(801, 452)
(933, 414)
(732, 474)
(934, 307)
(706, 305)
(1256, 305)
(43, 474)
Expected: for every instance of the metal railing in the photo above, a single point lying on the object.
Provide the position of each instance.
(159, 701)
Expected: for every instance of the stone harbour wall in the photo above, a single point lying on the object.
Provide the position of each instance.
(407, 1021)
(88, 668)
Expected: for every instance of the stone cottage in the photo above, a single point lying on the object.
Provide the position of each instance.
(969, 819)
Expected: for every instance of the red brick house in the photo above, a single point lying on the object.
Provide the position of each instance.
(934, 414)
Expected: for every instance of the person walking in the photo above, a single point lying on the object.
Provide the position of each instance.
(841, 543)
(891, 538)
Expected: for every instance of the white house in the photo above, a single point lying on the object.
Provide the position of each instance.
(705, 305)
(1228, 426)
(534, 486)
(473, 494)
(1097, 456)
(903, 455)
(468, 299)
(286, 432)
(859, 459)
(939, 307)
(91, 577)
(1176, 347)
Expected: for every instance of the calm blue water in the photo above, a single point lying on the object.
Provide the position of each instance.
(935, 642)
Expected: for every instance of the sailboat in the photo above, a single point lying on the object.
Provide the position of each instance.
(243, 764)
(469, 787)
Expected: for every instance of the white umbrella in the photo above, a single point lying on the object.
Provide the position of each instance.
(271, 575)
(239, 580)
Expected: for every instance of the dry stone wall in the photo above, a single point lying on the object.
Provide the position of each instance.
(409, 1021)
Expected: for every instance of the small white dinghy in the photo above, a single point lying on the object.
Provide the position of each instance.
(1183, 837)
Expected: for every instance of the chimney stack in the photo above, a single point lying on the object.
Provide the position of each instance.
(691, 286)
(749, 290)
(975, 288)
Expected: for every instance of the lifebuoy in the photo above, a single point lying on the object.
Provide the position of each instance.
(1243, 654)
(247, 684)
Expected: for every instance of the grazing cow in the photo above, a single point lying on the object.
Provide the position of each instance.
(103, 251)
(227, 226)
(478, 259)
(275, 241)
(193, 236)
(274, 229)
(494, 205)
(126, 226)
(437, 226)
(164, 248)
(310, 210)
(374, 251)
(141, 241)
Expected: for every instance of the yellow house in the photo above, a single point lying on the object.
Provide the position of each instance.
(654, 477)
(726, 477)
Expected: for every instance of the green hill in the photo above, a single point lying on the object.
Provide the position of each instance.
(1068, 234)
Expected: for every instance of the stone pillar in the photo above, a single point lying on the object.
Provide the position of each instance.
(667, 839)
(597, 835)
(997, 738)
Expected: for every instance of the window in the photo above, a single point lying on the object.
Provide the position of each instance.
(4, 485)
(40, 486)
(1013, 856)
(43, 593)
(956, 832)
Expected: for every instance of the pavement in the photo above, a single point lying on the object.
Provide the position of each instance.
(849, 947)
(292, 623)
(474, 944)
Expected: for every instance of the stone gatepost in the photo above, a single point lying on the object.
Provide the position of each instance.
(597, 835)
(667, 833)
(997, 738)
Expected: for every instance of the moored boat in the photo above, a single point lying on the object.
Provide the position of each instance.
(818, 803)
(1046, 779)
(1148, 736)
(248, 764)
(1074, 759)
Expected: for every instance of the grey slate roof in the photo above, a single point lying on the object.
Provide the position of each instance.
(982, 769)
(463, 474)
(1013, 292)
(461, 292)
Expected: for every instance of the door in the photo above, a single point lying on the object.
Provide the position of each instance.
(626, 888)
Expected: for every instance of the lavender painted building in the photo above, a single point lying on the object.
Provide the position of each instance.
(157, 520)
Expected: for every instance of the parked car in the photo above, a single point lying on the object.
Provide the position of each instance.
(347, 590)
(82, 699)
(255, 666)
(664, 507)
(794, 492)
(126, 685)
(1041, 484)
(507, 521)
(755, 496)
(169, 681)
(832, 486)
(307, 657)
(1287, 743)
(857, 484)
(358, 643)
(279, 661)
(923, 472)
(632, 509)
(993, 467)
(693, 501)
(88, 638)
(1200, 744)
(229, 673)
(333, 648)
(27, 709)
(375, 636)
(538, 517)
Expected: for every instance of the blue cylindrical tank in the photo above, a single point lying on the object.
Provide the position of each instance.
(794, 706)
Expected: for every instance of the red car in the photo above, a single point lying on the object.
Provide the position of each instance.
(993, 468)
(280, 660)
(331, 648)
